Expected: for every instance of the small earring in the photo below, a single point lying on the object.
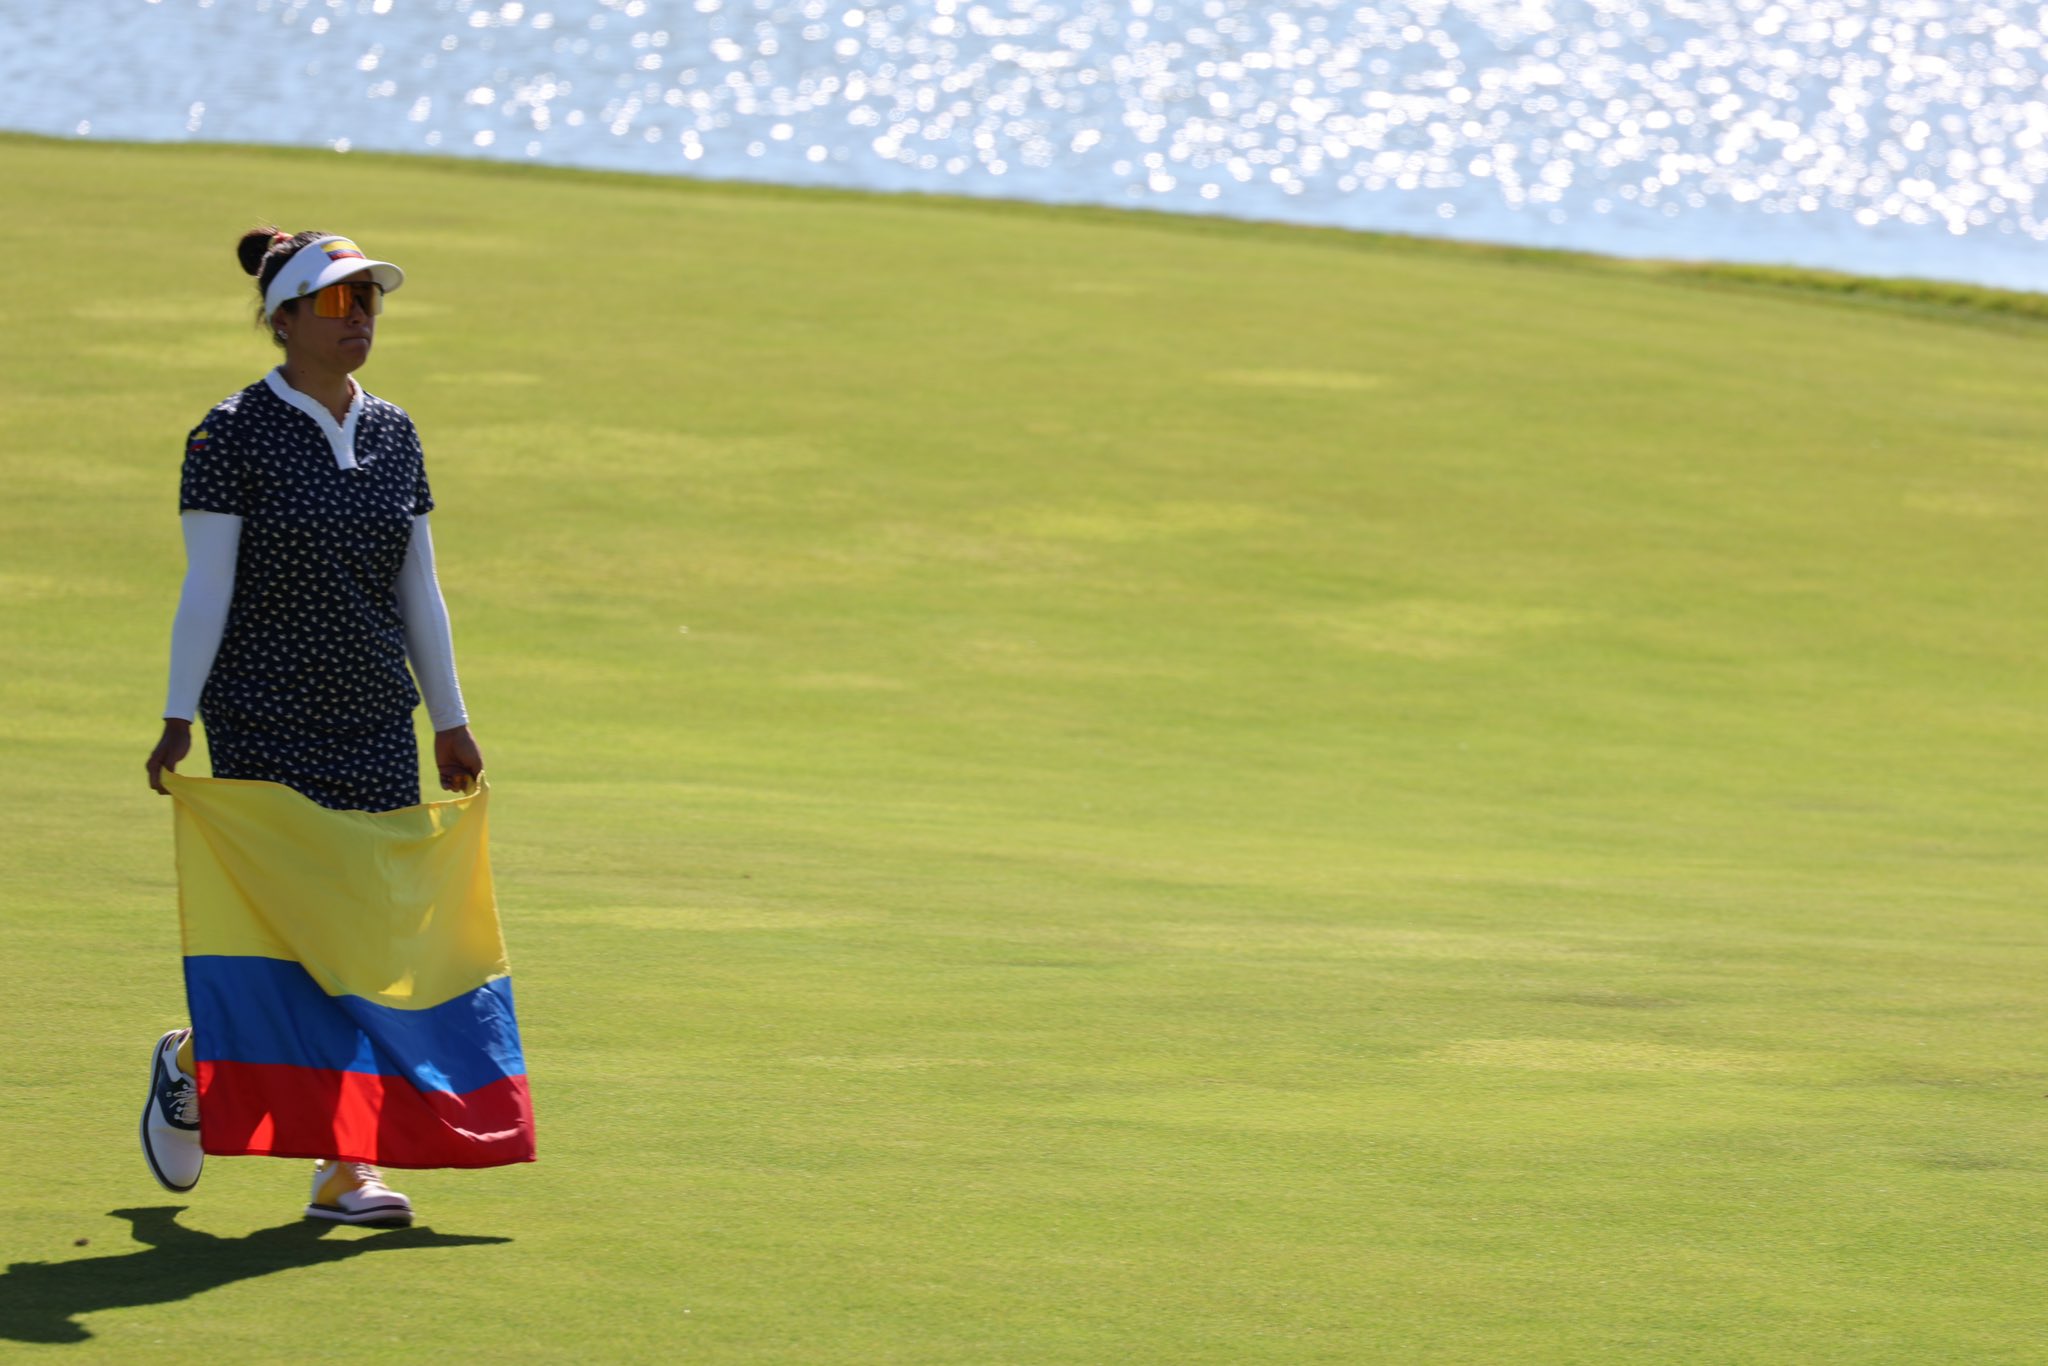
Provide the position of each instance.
(281, 338)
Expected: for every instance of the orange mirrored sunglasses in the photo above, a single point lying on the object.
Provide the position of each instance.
(338, 301)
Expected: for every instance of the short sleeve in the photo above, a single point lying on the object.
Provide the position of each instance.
(214, 478)
(422, 496)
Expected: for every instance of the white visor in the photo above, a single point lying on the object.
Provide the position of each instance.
(322, 262)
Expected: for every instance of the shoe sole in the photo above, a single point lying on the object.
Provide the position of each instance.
(148, 1152)
(382, 1216)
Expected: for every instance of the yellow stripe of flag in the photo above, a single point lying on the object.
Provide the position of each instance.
(393, 906)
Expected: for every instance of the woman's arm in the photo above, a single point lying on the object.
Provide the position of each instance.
(431, 646)
(428, 640)
(212, 541)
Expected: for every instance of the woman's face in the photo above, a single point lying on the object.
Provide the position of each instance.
(336, 344)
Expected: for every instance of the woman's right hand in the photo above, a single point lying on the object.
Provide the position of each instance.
(169, 752)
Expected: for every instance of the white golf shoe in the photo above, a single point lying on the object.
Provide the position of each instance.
(355, 1193)
(170, 1118)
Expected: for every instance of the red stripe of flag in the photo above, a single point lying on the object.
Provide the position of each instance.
(268, 1110)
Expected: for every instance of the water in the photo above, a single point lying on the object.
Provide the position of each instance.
(1900, 138)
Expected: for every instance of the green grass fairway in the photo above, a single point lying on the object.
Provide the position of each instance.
(1087, 788)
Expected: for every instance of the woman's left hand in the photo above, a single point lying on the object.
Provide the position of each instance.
(456, 755)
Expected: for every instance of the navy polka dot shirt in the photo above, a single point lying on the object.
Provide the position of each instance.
(314, 639)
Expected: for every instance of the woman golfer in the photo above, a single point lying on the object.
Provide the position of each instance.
(309, 583)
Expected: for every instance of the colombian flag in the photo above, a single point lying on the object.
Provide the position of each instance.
(349, 990)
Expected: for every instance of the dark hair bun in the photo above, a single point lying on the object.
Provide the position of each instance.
(254, 244)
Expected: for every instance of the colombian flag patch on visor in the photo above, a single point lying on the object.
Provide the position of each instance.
(322, 262)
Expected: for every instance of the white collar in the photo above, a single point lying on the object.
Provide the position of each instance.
(341, 436)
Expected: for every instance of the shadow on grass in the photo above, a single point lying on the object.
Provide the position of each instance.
(41, 1301)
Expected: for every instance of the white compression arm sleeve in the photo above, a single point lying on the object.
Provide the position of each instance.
(212, 540)
(428, 640)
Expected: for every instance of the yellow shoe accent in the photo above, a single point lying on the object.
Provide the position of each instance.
(186, 1063)
(339, 1177)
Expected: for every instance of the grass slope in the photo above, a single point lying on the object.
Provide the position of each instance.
(1076, 787)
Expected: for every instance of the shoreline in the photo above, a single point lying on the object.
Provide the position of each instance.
(1926, 297)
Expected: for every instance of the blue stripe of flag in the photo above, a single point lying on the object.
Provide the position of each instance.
(267, 1010)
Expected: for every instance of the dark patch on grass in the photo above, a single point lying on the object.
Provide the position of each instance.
(1981, 1081)
(1973, 1162)
(1613, 1000)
